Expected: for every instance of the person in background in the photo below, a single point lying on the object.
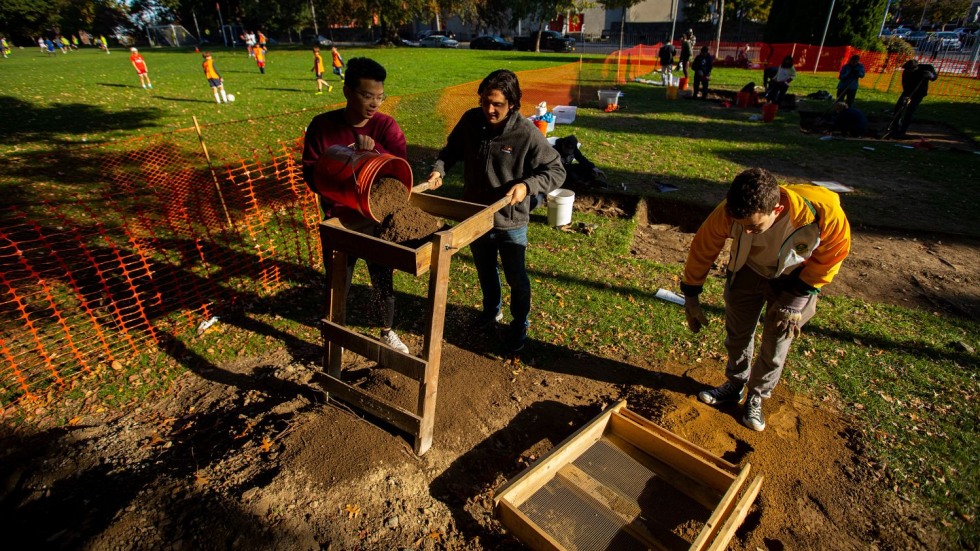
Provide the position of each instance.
(702, 66)
(687, 52)
(262, 40)
(214, 78)
(249, 39)
(915, 86)
(780, 83)
(338, 63)
(742, 57)
(788, 242)
(360, 126)
(504, 156)
(74, 42)
(4, 47)
(666, 55)
(259, 55)
(140, 65)
(849, 121)
(847, 79)
(318, 71)
(105, 44)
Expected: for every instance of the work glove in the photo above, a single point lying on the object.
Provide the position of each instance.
(695, 316)
(788, 321)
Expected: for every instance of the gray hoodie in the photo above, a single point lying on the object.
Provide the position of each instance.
(496, 159)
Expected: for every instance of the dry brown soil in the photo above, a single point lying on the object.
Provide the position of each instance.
(247, 455)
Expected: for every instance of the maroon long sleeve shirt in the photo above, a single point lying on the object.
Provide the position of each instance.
(332, 128)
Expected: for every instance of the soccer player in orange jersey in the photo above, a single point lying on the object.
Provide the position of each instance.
(214, 79)
(318, 71)
(140, 65)
(259, 58)
(338, 63)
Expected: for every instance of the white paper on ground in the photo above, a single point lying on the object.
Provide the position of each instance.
(664, 294)
(832, 185)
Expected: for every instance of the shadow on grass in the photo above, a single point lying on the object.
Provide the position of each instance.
(25, 122)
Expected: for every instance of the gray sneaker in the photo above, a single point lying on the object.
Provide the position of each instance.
(753, 418)
(391, 339)
(728, 392)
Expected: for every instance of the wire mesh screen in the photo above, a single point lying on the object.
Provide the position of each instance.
(609, 499)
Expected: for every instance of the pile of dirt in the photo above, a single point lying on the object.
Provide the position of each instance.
(248, 454)
(400, 221)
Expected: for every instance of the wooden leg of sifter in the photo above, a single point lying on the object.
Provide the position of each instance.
(442, 252)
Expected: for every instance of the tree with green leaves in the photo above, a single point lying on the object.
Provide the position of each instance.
(28, 18)
(752, 10)
(930, 12)
(852, 23)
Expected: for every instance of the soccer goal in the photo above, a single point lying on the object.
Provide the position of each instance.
(170, 35)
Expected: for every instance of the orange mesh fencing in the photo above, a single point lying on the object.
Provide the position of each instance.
(110, 251)
(959, 77)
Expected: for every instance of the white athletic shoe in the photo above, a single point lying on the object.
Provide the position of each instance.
(391, 339)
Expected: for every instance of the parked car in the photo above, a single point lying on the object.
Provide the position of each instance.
(902, 32)
(949, 40)
(438, 41)
(916, 38)
(490, 42)
(317, 40)
(399, 41)
(550, 40)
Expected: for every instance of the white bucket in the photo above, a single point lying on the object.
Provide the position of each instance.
(560, 204)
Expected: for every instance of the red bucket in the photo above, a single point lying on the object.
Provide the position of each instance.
(743, 99)
(345, 176)
(769, 112)
(683, 83)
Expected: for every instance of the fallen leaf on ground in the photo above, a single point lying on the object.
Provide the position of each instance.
(352, 510)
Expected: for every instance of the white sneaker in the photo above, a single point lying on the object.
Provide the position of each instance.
(391, 339)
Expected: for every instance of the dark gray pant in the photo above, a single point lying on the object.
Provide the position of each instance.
(746, 294)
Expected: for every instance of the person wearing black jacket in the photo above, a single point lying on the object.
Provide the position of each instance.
(915, 86)
(503, 155)
(687, 51)
(702, 71)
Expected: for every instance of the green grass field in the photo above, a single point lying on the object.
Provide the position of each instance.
(893, 369)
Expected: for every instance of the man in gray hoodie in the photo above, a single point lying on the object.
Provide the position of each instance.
(503, 155)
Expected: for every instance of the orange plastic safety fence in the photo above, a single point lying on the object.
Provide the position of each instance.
(106, 249)
(959, 78)
(110, 250)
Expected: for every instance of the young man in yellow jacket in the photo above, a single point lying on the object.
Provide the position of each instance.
(787, 243)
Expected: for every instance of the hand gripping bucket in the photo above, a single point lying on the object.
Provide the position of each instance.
(345, 176)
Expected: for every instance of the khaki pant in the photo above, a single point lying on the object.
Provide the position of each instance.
(746, 293)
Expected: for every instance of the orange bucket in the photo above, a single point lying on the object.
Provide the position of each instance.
(345, 176)
(682, 83)
(542, 126)
(769, 112)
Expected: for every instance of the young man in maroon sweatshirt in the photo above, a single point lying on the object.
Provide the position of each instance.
(360, 126)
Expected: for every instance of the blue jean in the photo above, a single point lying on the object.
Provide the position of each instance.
(511, 245)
